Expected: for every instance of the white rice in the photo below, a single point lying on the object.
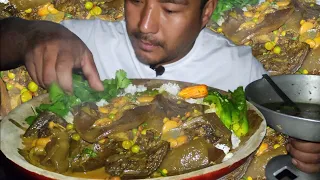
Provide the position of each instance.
(102, 102)
(69, 118)
(318, 2)
(223, 147)
(235, 140)
(195, 101)
(171, 88)
(132, 89)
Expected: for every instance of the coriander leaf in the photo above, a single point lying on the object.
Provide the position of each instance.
(55, 92)
(89, 152)
(71, 101)
(226, 5)
(81, 89)
(30, 119)
(121, 79)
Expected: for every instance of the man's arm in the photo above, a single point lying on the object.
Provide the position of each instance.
(12, 42)
(48, 50)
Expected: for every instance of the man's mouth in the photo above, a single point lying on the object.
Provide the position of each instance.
(146, 45)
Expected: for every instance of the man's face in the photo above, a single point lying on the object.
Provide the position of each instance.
(162, 31)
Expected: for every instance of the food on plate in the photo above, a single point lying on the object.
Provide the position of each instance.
(272, 145)
(136, 131)
(296, 30)
(19, 88)
(245, 22)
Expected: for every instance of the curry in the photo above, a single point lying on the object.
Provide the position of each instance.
(142, 134)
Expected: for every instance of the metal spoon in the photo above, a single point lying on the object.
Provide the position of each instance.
(289, 106)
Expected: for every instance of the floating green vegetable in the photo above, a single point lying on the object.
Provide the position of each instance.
(61, 103)
(227, 5)
(232, 111)
(89, 152)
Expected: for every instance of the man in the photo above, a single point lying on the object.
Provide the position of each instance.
(165, 35)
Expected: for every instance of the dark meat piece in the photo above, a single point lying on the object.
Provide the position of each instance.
(208, 127)
(307, 10)
(131, 119)
(140, 165)
(39, 127)
(81, 161)
(192, 156)
(173, 108)
(292, 55)
(26, 4)
(231, 26)
(57, 151)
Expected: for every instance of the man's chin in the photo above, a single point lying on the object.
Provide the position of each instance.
(147, 58)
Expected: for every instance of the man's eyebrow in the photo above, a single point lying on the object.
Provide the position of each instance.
(183, 2)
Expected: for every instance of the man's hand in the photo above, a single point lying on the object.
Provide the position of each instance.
(48, 50)
(53, 55)
(306, 155)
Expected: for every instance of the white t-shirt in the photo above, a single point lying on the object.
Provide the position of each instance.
(214, 60)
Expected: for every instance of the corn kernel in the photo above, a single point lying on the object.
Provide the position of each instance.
(164, 171)
(51, 125)
(219, 30)
(11, 75)
(165, 119)
(248, 14)
(26, 96)
(96, 10)
(263, 147)
(311, 43)
(28, 11)
(276, 146)
(103, 110)
(249, 178)
(305, 71)
(42, 141)
(144, 132)
(302, 22)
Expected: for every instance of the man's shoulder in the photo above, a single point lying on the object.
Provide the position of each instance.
(218, 47)
(208, 36)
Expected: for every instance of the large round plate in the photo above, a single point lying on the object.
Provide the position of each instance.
(11, 141)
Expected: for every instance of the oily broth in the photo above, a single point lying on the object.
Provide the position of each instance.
(95, 174)
(309, 111)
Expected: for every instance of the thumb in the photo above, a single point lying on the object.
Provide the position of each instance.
(90, 71)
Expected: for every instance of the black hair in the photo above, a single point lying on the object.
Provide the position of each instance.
(203, 3)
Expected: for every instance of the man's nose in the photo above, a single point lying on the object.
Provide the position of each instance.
(149, 20)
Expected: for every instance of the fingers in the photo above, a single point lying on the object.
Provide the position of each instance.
(90, 71)
(38, 61)
(306, 155)
(32, 71)
(30, 65)
(49, 73)
(308, 168)
(304, 146)
(312, 158)
(64, 68)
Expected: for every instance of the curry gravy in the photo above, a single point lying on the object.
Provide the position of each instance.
(95, 174)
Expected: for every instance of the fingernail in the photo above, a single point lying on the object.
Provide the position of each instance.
(294, 162)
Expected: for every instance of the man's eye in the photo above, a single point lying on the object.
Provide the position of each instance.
(170, 11)
(136, 1)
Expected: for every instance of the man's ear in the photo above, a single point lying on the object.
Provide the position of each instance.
(207, 11)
